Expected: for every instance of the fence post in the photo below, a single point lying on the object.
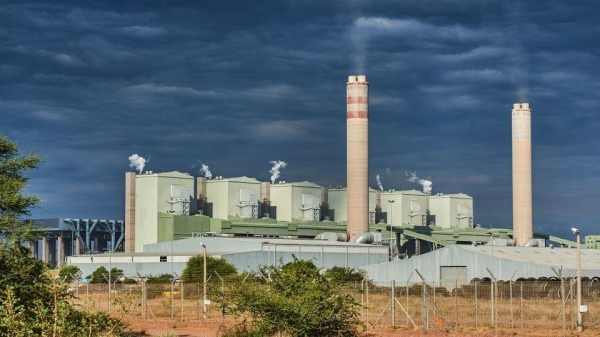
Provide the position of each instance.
(181, 293)
(407, 280)
(393, 304)
(87, 295)
(198, 301)
(512, 321)
(434, 306)
(171, 297)
(476, 308)
(521, 314)
(144, 298)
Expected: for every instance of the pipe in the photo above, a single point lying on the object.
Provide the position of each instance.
(531, 243)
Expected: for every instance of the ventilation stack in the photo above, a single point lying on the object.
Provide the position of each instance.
(521, 152)
(129, 212)
(201, 195)
(357, 117)
(265, 199)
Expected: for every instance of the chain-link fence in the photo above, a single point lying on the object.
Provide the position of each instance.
(520, 304)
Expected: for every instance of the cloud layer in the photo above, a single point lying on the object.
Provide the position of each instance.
(240, 83)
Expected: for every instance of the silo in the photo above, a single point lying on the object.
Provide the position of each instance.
(521, 153)
(357, 119)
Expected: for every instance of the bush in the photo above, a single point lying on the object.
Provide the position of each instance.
(160, 279)
(101, 275)
(194, 270)
(342, 275)
(297, 301)
(68, 274)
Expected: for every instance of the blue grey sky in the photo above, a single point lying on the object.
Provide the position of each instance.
(239, 84)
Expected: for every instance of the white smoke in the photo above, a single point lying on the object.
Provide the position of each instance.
(206, 171)
(427, 184)
(388, 170)
(379, 183)
(136, 162)
(277, 165)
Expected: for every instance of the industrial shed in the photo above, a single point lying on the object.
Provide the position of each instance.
(463, 263)
(246, 254)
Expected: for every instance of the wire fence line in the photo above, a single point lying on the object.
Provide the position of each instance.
(522, 304)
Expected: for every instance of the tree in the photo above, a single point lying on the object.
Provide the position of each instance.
(297, 300)
(32, 303)
(194, 269)
(160, 279)
(69, 274)
(14, 203)
(101, 275)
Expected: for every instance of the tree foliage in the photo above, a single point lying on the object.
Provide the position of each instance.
(32, 303)
(295, 300)
(101, 275)
(14, 203)
(344, 275)
(69, 273)
(194, 269)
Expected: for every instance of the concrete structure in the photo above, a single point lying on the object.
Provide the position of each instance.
(201, 198)
(168, 192)
(246, 254)
(65, 237)
(521, 154)
(443, 265)
(451, 210)
(129, 212)
(357, 116)
(338, 204)
(233, 197)
(296, 201)
(592, 241)
(265, 199)
(404, 207)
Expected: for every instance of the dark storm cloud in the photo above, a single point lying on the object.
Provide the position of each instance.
(238, 84)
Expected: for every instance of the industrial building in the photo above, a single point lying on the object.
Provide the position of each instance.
(338, 204)
(451, 210)
(246, 254)
(404, 207)
(295, 201)
(168, 192)
(65, 237)
(233, 197)
(460, 264)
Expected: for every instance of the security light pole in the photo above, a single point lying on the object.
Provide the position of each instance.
(391, 201)
(579, 314)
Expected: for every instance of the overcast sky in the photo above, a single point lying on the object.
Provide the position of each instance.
(236, 85)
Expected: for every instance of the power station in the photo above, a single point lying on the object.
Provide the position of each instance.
(252, 223)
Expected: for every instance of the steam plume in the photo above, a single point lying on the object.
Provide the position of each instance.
(136, 162)
(427, 184)
(277, 165)
(206, 171)
(379, 183)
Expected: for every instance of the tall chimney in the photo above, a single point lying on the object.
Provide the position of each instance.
(357, 116)
(201, 194)
(129, 212)
(521, 151)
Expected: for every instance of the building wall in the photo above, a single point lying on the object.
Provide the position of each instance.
(153, 191)
(338, 204)
(444, 208)
(224, 196)
(398, 212)
(175, 227)
(287, 199)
